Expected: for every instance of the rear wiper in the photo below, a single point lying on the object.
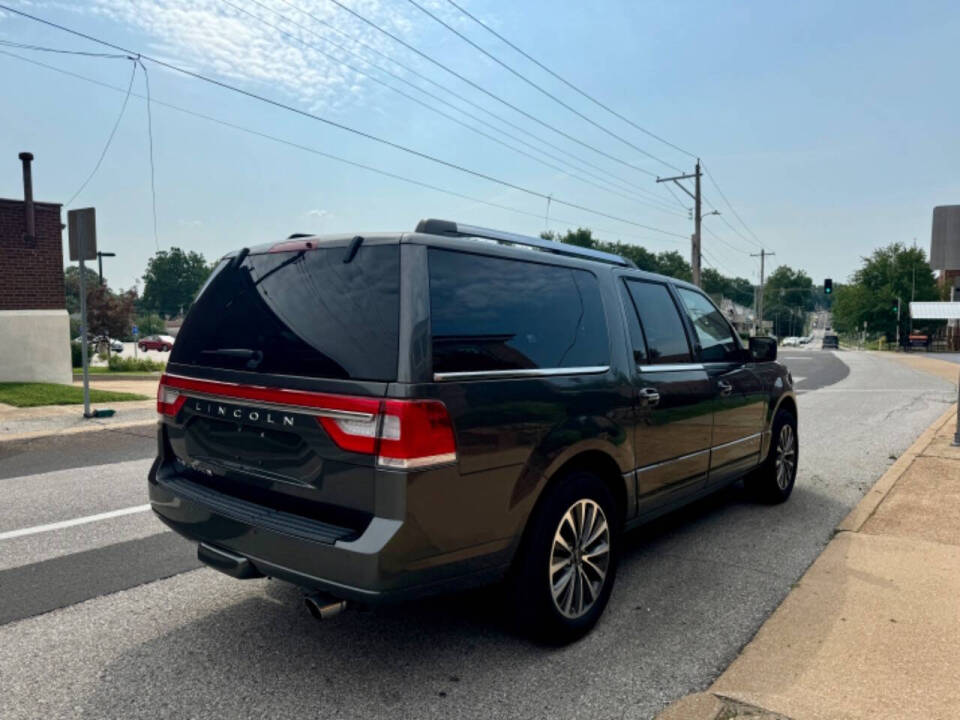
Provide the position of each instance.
(282, 265)
(253, 357)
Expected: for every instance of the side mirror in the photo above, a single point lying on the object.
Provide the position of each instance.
(763, 349)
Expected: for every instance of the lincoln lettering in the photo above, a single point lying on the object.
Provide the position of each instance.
(241, 414)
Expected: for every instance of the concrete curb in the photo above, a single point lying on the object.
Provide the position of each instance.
(711, 706)
(36, 435)
(882, 487)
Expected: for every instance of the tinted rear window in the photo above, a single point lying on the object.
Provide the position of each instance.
(494, 314)
(299, 313)
(662, 326)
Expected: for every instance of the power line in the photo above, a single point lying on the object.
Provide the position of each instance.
(113, 132)
(732, 208)
(571, 85)
(332, 123)
(499, 99)
(153, 184)
(26, 46)
(461, 98)
(325, 154)
(532, 84)
(430, 108)
(728, 244)
(146, 78)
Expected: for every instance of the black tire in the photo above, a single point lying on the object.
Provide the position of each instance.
(536, 611)
(165, 348)
(772, 482)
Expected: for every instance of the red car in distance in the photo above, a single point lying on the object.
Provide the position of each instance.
(162, 343)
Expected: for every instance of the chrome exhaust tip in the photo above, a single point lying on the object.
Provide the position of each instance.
(324, 607)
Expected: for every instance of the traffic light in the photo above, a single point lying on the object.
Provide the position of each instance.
(828, 287)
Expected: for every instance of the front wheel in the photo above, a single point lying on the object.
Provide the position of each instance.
(773, 481)
(568, 561)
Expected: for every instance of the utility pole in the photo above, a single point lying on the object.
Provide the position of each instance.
(697, 216)
(898, 322)
(763, 254)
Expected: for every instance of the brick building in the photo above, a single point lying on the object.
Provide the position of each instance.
(34, 325)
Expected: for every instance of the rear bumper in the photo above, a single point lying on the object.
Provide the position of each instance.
(386, 562)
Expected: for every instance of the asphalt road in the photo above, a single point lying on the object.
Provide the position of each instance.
(130, 629)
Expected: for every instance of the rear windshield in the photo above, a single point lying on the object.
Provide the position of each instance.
(302, 313)
(490, 313)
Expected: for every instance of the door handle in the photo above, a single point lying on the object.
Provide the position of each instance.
(725, 387)
(650, 396)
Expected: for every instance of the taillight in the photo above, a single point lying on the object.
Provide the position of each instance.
(404, 434)
(169, 400)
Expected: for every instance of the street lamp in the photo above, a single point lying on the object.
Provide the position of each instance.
(100, 257)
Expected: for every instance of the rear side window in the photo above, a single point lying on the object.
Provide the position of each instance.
(666, 340)
(304, 313)
(494, 314)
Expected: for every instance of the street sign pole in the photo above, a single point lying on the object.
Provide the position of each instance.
(82, 229)
(83, 331)
(956, 434)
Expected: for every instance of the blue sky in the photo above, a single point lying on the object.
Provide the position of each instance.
(831, 127)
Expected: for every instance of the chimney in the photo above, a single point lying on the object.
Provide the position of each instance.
(30, 235)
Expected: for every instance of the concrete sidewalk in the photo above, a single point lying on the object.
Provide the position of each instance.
(872, 630)
(29, 423)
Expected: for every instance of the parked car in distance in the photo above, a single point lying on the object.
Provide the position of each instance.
(830, 342)
(388, 416)
(791, 342)
(156, 342)
(805, 340)
(94, 342)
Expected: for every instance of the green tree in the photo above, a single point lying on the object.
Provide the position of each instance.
(71, 282)
(892, 272)
(150, 324)
(172, 280)
(787, 297)
(716, 285)
(110, 313)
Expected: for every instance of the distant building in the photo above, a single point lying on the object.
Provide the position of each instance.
(739, 316)
(34, 325)
(945, 247)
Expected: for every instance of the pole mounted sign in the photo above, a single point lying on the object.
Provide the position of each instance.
(82, 227)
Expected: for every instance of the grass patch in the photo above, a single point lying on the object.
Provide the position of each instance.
(35, 394)
(130, 364)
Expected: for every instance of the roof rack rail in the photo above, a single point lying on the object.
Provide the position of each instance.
(432, 226)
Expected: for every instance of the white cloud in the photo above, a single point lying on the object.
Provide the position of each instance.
(318, 213)
(211, 37)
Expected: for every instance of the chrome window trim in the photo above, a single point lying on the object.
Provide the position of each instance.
(736, 442)
(520, 373)
(672, 460)
(300, 409)
(670, 367)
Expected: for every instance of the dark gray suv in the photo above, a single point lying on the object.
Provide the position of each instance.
(381, 417)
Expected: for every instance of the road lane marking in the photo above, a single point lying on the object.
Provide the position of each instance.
(798, 379)
(10, 534)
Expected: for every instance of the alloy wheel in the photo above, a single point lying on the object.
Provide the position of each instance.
(786, 456)
(579, 558)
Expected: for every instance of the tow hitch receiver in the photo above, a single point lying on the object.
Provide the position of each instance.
(227, 562)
